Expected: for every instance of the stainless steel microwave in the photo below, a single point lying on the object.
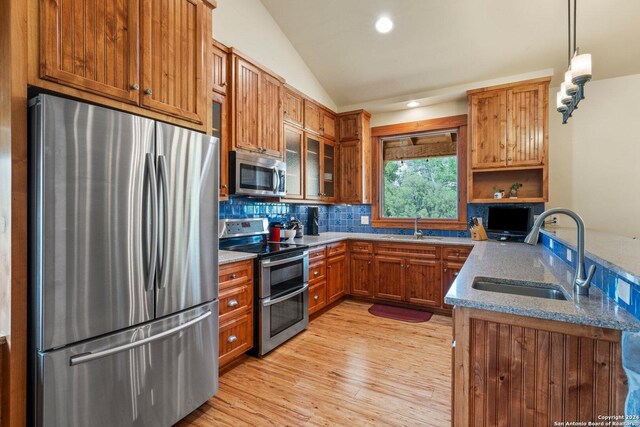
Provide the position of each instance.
(256, 175)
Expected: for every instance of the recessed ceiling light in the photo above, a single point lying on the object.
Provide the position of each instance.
(412, 104)
(384, 25)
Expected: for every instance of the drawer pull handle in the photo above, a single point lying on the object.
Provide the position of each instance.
(316, 297)
(232, 303)
(232, 339)
(233, 276)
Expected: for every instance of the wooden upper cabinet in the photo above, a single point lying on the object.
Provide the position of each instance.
(312, 116)
(350, 127)
(293, 109)
(172, 57)
(488, 120)
(256, 106)
(96, 51)
(527, 116)
(246, 105)
(354, 157)
(271, 140)
(509, 125)
(328, 124)
(219, 68)
(350, 172)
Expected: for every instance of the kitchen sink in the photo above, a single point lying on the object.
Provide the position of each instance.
(409, 237)
(516, 287)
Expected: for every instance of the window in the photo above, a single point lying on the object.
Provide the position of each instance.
(419, 170)
(420, 176)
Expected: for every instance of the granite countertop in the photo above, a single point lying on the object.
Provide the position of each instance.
(227, 257)
(619, 253)
(519, 261)
(332, 237)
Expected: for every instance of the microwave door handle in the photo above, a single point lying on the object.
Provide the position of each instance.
(270, 301)
(274, 179)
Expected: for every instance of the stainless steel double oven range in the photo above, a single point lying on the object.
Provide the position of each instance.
(281, 281)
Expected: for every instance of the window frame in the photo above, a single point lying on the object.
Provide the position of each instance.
(459, 123)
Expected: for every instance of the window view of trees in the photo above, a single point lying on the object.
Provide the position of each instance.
(421, 187)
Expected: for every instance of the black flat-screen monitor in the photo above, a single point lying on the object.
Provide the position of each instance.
(515, 221)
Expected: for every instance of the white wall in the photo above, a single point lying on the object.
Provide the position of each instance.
(446, 109)
(595, 157)
(248, 26)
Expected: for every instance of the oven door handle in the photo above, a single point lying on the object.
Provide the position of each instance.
(270, 301)
(284, 261)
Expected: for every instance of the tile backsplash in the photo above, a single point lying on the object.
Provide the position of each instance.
(605, 278)
(341, 218)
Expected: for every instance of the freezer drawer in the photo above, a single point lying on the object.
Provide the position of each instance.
(152, 375)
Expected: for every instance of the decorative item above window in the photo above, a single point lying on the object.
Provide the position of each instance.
(579, 73)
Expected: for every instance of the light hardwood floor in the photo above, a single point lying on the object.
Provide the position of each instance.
(348, 368)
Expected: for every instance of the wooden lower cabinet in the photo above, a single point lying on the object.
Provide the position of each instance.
(422, 282)
(235, 338)
(450, 272)
(235, 311)
(389, 278)
(317, 296)
(519, 371)
(336, 278)
(361, 273)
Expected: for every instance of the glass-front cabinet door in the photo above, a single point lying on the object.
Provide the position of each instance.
(313, 155)
(294, 142)
(329, 152)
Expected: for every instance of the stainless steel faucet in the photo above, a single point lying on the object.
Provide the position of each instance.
(580, 282)
(417, 233)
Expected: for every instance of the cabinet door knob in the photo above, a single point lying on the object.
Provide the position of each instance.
(148, 92)
(455, 273)
(223, 84)
(225, 186)
(445, 270)
(316, 297)
(232, 339)
(135, 86)
(233, 276)
(315, 273)
(232, 303)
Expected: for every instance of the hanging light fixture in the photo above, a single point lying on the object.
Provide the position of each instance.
(578, 73)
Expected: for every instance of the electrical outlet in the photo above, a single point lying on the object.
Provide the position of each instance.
(364, 220)
(569, 255)
(550, 243)
(623, 291)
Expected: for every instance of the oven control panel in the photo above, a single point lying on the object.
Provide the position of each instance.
(242, 227)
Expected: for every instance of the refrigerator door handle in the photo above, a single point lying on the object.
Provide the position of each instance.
(164, 182)
(88, 357)
(153, 257)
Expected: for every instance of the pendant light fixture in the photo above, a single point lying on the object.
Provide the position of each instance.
(578, 73)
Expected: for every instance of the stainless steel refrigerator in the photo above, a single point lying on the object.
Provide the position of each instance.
(124, 267)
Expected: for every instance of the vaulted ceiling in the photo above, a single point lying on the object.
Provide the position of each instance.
(437, 44)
